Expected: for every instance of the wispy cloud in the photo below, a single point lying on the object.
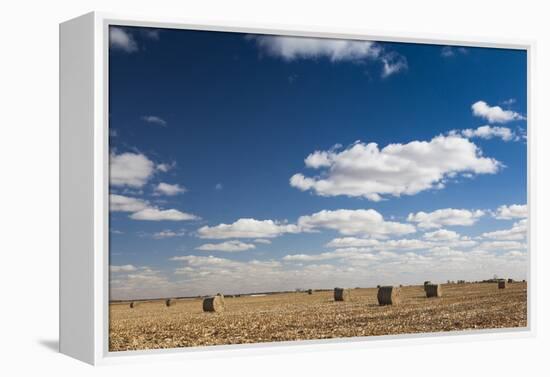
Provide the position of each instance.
(262, 241)
(168, 234)
(121, 39)
(154, 119)
(153, 34)
(393, 63)
(165, 167)
(450, 51)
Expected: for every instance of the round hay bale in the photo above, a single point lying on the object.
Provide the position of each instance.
(133, 305)
(502, 284)
(341, 294)
(433, 290)
(310, 291)
(389, 295)
(170, 302)
(214, 304)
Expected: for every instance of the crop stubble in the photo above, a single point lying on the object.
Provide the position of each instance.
(299, 316)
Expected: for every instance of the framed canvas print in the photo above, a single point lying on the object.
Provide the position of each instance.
(226, 188)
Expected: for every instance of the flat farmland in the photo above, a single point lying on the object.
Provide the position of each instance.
(299, 316)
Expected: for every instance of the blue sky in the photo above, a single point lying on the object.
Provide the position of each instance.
(245, 163)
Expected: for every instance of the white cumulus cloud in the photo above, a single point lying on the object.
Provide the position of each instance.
(200, 261)
(336, 50)
(445, 217)
(317, 257)
(262, 241)
(156, 214)
(123, 268)
(247, 228)
(366, 222)
(227, 246)
(502, 245)
(489, 132)
(518, 231)
(121, 203)
(130, 169)
(364, 170)
(403, 244)
(292, 48)
(169, 189)
(352, 242)
(494, 114)
(514, 211)
(142, 210)
(441, 235)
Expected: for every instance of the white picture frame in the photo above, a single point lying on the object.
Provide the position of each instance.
(84, 164)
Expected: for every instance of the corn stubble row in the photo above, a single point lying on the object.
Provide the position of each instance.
(301, 316)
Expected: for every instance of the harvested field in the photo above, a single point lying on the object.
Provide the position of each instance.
(299, 316)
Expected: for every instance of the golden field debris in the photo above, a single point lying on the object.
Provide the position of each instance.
(292, 316)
